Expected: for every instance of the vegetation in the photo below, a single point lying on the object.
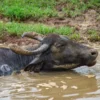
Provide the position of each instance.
(14, 28)
(24, 9)
(17, 11)
(36, 9)
(94, 35)
(75, 36)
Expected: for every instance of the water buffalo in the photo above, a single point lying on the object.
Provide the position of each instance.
(52, 50)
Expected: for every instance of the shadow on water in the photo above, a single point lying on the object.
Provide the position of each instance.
(58, 84)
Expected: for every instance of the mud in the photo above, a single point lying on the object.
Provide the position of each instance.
(17, 40)
(88, 20)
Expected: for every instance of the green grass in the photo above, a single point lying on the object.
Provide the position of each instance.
(77, 7)
(17, 29)
(13, 28)
(24, 9)
(36, 9)
(75, 36)
(94, 35)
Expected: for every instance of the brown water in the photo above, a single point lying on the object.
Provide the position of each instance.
(80, 84)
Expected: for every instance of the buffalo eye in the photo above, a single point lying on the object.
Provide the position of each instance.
(60, 44)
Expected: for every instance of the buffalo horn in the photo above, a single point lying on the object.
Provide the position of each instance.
(64, 38)
(22, 51)
(32, 36)
(4, 46)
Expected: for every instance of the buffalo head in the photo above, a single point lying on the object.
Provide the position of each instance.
(58, 50)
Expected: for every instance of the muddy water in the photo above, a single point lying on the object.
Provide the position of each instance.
(80, 84)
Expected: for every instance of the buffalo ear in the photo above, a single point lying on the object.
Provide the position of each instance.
(55, 47)
(35, 65)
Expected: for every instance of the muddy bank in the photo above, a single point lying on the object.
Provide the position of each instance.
(87, 26)
(88, 20)
(17, 40)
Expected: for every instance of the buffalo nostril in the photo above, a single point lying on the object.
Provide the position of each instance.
(94, 53)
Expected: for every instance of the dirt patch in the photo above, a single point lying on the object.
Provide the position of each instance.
(17, 40)
(88, 20)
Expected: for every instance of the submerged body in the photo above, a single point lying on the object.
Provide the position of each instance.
(53, 50)
(10, 61)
